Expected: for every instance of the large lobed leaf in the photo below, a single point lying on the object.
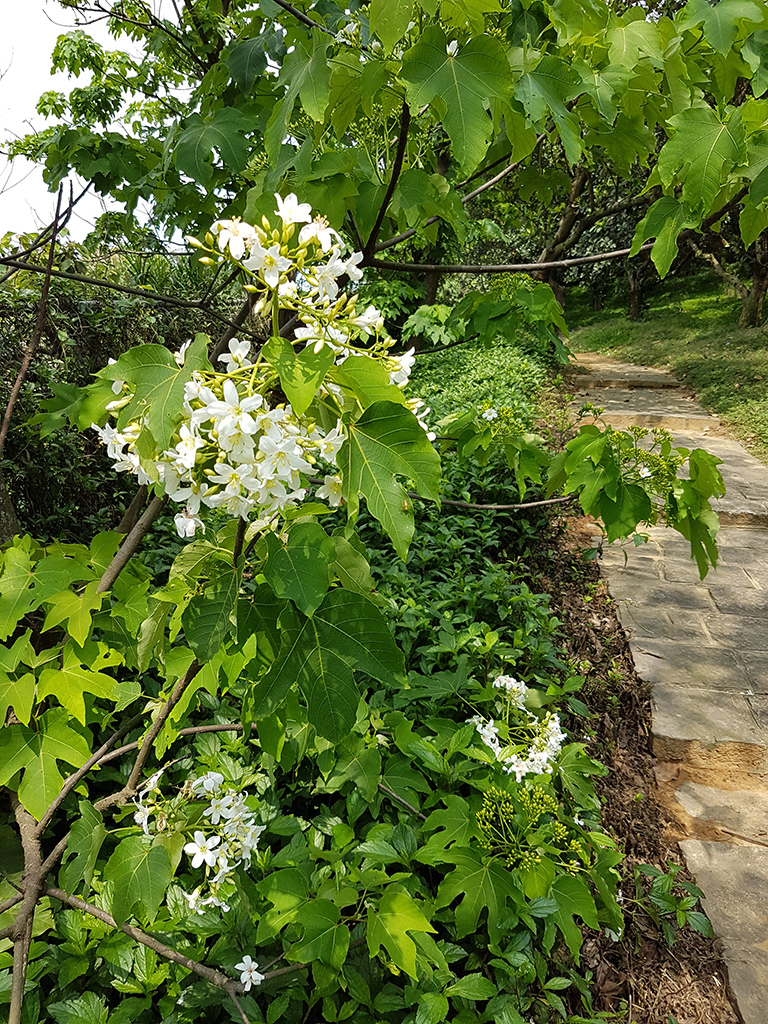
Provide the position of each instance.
(386, 442)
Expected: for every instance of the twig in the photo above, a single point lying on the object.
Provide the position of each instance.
(146, 747)
(130, 544)
(502, 268)
(402, 142)
(500, 508)
(9, 903)
(300, 16)
(37, 333)
(393, 794)
(192, 730)
(42, 238)
(234, 326)
(242, 526)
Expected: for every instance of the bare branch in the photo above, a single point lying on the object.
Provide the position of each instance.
(132, 513)
(32, 883)
(502, 268)
(402, 141)
(497, 508)
(303, 18)
(146, 747)
(391, 793)
(130, 544)
(191, 730)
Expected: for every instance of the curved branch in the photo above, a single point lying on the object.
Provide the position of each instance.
(130, 544)
(402, 141)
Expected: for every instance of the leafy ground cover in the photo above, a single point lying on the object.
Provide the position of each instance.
(689, 325)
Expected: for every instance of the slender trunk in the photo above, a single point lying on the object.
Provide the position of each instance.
(752, 303)
(9, 523)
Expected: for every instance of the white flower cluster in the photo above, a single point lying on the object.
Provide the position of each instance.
(232, 449)
(225, 850)
(543, 737)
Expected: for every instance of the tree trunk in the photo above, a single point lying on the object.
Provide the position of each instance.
(752, 300)
(9, 523)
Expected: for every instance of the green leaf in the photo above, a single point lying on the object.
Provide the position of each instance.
(158, 385)
(573, 897)
(387, 441)
(700, 153)
(71, 681)
(389, 924)
(88, 1008)
(472, 986)
(390, 19)
(323, 938)
(720, 22)
(300, 373)
(352, 568)
(83, 845)
(209, 618)
(346, 633)
(622, 514)
(288, 892)
(664, 221)
(74, 609)
(38, 753)
(366, 380)
(141, 873)
(246, 62)
(544, 91)
(451, 829)
(481, 886)
(465, 84)
(199, 139)
(301, 570)
(432, 1008)
(18, 694)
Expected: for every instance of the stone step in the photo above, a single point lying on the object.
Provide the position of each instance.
(626, 407)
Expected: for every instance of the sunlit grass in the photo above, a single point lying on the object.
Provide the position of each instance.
(690, 327)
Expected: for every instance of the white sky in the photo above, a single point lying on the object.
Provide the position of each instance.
(29, 32)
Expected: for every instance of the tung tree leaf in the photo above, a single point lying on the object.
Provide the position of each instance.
(390, 19)
(300, 373)
(720, 22)
(210, 617)
(199, 138)
(544, 90)
(664, 221)
(83, 845)
(301, 570)
(389, 924)
(481, 886)
(388, 441)
(141, 872)
(466, 83)
(346, 633)
(247, 62)
(324, 938)
(701, 153)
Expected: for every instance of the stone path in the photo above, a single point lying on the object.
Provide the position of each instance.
(703, 647)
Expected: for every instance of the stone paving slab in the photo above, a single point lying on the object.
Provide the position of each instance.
(733, 879)
(703, 647)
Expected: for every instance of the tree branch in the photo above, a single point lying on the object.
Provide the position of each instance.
(497, 268)
(497, 508)
(402, 142)
(132, 513)
(32, 883)
(10, 261)
(191, 730)
(391, 793)
(146, 747)
(130, 544)
(303, 18)
(37, 332)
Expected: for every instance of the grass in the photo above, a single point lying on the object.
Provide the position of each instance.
(689, 325)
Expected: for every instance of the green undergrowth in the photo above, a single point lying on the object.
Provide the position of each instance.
(689, 325)
(501, 377)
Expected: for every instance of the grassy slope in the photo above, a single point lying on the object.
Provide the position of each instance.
(690, 326)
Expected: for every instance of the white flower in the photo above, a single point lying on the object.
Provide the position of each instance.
(234, 478)
(452, 47)
(235, 234)
(404, 364)
(292, 211)
(490, 414)
(181, 354)
(351, 268)
(331, 491)
(187, 524)
(185, 452)
(269, 262)
(249, 973)
(194, 901)
(234, 412)
(330, 444)
(141, 817)
(202, 850)
(237, 356)
(644, 473)
(207, 783)
(321, 231)
(369, 321)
